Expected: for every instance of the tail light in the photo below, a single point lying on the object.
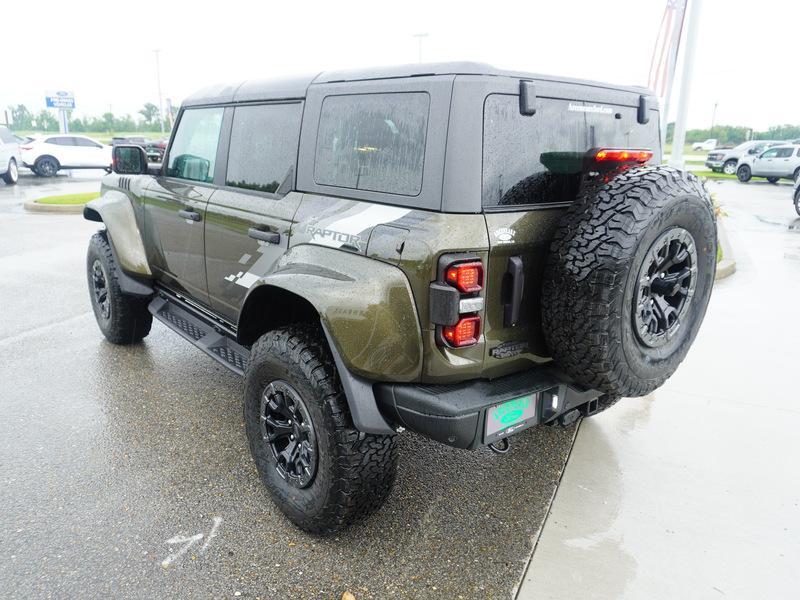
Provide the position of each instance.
(456, 301)
(463, 333)
(467, 277)
(26, 147)
(622, 155)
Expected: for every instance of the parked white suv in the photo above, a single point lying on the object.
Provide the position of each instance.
(778, 162)
(49, 153)
(9, 156)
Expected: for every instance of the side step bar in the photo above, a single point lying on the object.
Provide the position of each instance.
(199, 332)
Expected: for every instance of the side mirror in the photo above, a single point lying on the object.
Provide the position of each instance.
(129, 160)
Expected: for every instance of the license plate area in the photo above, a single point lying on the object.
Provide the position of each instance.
(509, 417)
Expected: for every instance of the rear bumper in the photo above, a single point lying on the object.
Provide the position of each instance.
(456, 414)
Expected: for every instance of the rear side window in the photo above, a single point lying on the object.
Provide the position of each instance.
(6, 136)
(538, 159)
(194, 149)
(60, 141)
(263, 146)
(373, 142)
(85, 143)
(784, 152)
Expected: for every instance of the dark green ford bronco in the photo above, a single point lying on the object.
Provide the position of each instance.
(451, 249)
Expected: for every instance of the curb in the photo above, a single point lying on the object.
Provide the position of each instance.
(64, 209)
(727, 266)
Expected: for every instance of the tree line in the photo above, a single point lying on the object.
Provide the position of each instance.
(45, 120)
(732, 135)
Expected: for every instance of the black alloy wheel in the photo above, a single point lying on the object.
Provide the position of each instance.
(667, 281)
(46, 167)
(100, 289)
(288, 431)
(744, 173)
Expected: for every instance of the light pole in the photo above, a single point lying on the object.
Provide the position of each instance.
(158, 81)
(420, 37)
(714, 117)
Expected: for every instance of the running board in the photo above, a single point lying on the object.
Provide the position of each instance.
(200, 333)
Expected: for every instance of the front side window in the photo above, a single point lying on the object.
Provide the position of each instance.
(539, 159)
(373, 142)
(263, 146)
(194, 149)
(770, 153)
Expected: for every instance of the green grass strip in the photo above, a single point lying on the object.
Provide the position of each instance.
(69, 198)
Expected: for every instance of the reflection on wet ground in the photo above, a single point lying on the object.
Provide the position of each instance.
(692, 492)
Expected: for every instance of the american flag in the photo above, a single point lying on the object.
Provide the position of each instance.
(665, 53)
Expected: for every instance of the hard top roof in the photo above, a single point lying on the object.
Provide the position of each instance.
(296, 87)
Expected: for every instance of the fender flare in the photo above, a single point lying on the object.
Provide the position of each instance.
(114, 210)
(366, 305)
(367, 312)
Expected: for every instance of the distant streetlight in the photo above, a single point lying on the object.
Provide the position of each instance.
(158, 81)
(714, 116)
(420, 37)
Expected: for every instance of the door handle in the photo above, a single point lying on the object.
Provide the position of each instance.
(271, 237)
(189, 214)
(512, 287)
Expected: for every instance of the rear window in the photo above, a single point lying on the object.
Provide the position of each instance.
(538, 159)
(373, 142)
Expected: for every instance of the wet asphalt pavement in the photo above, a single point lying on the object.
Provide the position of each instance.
(124, 471)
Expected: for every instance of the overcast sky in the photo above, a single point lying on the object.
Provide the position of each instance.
(103, 50)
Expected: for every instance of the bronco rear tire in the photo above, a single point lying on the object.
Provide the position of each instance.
(628, 280)
(322, 473)
(122, 318)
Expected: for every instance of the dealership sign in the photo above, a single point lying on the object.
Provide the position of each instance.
(60, 99)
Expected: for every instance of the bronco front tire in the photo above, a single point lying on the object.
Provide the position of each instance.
(322, 473)
(628, 280)
(122, 318)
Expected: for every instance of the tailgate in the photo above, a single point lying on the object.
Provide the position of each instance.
(532, 171)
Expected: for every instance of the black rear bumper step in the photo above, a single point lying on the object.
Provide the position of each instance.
(199, 332)
(455, 414)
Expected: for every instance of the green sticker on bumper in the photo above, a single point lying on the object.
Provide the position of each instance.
(510, 413)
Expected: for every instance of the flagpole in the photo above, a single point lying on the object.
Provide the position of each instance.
(673, 60)
(679, 136)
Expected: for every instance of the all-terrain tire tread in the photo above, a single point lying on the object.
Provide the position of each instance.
(364, 464)
(586, 274)
(130, 320)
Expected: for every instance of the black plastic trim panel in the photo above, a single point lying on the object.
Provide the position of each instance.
(455, 414)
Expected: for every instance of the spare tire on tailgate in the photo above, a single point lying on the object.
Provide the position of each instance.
(628, 280)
